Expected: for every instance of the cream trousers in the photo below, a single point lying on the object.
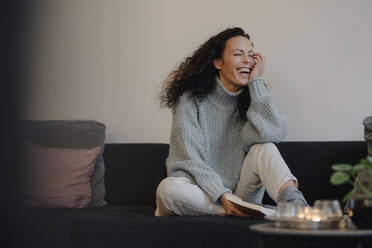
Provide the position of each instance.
(263, 168)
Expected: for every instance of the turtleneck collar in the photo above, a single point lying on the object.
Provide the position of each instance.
(223, 98)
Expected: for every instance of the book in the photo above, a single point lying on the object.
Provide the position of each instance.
(250, 208)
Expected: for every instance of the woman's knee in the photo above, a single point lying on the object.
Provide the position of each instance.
(263, 146)
(178, 195)
(165, 187)
(263, 150)
(259, 150)
(182, 191)
(170, 188)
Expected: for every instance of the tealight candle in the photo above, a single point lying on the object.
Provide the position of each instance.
(314, 215)
(315, 218)
(302, 212)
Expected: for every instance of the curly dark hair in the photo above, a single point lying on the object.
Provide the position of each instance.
(196, 74)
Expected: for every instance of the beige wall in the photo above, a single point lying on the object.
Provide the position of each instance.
(105, 60)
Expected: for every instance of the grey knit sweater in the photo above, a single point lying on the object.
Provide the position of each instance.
(208, 142)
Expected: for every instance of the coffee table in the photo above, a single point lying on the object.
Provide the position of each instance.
(271, 236)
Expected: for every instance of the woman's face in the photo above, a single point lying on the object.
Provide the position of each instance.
(236, 63)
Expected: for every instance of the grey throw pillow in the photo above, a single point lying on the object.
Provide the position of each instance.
(72, 134)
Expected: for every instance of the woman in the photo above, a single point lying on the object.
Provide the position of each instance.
(224, 124)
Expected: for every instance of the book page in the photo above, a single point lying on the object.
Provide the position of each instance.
(250, 208)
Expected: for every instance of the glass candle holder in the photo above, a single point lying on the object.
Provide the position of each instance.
(315, 215)
(286, 210)
(302, 212)
(328, 209)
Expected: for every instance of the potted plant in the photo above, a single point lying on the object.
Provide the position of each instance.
(359, 199)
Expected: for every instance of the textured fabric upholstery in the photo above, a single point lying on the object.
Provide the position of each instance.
(72, 134)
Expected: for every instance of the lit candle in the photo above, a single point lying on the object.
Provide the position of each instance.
(315, 218)
(301, 216)
(303, 213)
(315, 215)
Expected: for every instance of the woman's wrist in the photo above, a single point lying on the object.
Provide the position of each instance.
(222, 197)
(257, 78)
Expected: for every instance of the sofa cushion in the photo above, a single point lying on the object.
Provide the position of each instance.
(139, 168)
(134, 172)
(57, 177)
(72, 134)
(135, 226)
(131, 226)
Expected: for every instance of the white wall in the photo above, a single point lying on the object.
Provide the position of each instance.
(106, 60)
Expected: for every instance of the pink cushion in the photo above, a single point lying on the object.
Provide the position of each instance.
(58, 177)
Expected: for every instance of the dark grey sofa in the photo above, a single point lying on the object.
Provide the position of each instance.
(133, 172)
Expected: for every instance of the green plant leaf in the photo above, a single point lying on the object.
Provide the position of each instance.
(342, 167)
(348, 195)
(357, 168)
(365, 161)
(339, 177)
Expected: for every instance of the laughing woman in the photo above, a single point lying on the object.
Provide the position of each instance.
(223, 129)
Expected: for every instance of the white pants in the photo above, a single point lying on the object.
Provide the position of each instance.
(263, 168)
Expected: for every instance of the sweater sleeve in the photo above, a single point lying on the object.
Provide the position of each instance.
(265, 122)
(187, 155)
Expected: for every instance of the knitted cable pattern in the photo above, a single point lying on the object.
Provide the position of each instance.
(208, 143)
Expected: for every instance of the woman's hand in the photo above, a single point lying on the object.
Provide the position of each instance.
(230, 209)
(258, 67)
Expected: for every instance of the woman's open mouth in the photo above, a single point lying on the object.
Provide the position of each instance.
(244, 71)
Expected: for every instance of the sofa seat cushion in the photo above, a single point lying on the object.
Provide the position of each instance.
(129, 226)
(135, 226)
(136, 230)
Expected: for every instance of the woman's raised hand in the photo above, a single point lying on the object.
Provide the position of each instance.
(259, 66)
(230, 209)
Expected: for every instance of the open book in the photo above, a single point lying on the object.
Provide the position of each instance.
(250, 208)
